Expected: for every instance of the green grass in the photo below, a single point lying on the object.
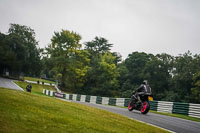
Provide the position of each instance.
(36, 79)
(36, 88)
(178, 115)
(26, 112)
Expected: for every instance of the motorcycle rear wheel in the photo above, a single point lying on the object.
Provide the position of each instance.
(145, 108)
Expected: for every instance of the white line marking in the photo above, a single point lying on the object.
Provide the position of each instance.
(152, 125)
(17, 86)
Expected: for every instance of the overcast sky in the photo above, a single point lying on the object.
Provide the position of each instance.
(151, 26)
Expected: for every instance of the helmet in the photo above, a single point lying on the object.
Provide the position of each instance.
(145, 82)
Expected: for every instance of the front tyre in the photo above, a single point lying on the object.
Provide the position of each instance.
(145, 107)
(130, 105)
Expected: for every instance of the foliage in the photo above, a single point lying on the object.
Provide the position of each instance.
(69, 61)
(31, 53)
(186, 66)
(135, 64)
(98, 46)
(195, 96)
(131, 72)
(106, 76)
(47, 67)
(103, 73)
(170, 77)
(19, 52)
(156, 71)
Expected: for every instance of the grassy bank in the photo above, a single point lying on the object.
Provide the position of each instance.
(38, 79)
(24, 112)
(36, 88)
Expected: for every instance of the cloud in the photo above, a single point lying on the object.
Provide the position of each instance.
(151, 26)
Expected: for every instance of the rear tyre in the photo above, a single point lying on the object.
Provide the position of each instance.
(145, 108)
(130, 105)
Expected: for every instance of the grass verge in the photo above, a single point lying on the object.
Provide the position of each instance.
(25, 112)
(178, 115)
(38, 79)
(36, 88)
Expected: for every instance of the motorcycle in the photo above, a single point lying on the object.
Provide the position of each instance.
(141, 103)
(28, 88)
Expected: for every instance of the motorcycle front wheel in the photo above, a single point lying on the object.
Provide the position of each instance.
(145, 107)
(130, 105)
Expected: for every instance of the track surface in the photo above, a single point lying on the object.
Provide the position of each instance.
(170, 123)
(8, 83)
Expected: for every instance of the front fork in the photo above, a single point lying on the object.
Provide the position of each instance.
(139, 103)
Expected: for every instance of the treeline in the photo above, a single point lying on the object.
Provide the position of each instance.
(19, 52)
(95, 70)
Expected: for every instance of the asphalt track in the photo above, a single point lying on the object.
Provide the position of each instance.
(171, 124)
(8, 83)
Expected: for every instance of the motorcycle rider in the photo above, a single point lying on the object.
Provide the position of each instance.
(28, 88)
(144, 88)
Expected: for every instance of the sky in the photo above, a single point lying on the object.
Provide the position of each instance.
(150, 26)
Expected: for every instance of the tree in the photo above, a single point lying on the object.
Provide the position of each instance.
(3, 51)
(118, 57)
(185, 68)
(47, 67)
(23, 40)
(140, 66)
(102, 76)
(14, 56)
(195, 90)
(157, 71)
(98, 46)
(19, 52)
(70, 62)
(135, 63)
